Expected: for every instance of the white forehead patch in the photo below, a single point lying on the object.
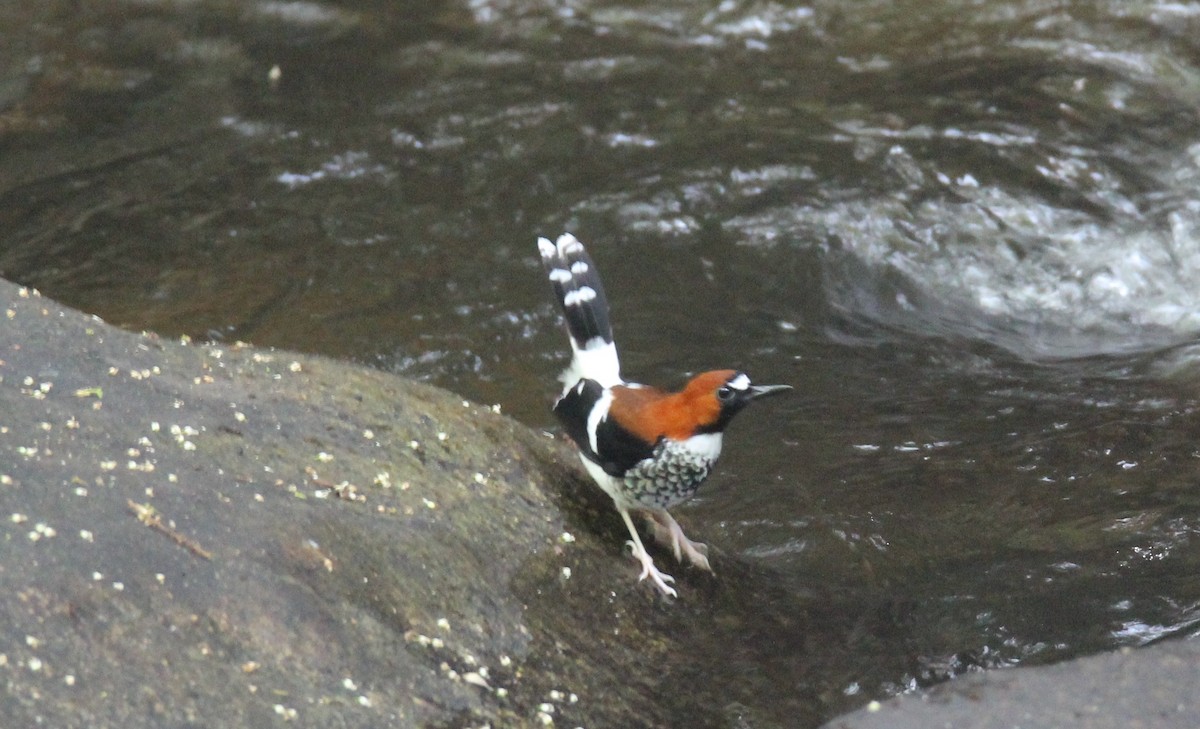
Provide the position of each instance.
(560, 275)
(579, 268)
(741, 382)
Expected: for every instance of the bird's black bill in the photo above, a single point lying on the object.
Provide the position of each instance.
(756, 391)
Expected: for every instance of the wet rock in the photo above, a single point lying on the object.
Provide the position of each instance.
(223, 536)
(1128, 689)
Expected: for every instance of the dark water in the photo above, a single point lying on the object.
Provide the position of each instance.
(968, 233)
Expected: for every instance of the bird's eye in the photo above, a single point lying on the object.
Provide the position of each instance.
(724, 393)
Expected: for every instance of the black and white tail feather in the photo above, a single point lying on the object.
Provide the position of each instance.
(580, 293)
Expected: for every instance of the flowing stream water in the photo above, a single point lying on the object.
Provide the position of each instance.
(967, 232)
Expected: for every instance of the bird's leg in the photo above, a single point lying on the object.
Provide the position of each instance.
(662, 534)
(668, 533)
(639, 552)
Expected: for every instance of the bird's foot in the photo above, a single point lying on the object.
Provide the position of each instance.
(660, 579)
(668, 533)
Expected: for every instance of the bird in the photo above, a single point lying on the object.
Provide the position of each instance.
(647, 448)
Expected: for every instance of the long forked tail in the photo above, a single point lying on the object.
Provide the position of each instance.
(579, 291)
